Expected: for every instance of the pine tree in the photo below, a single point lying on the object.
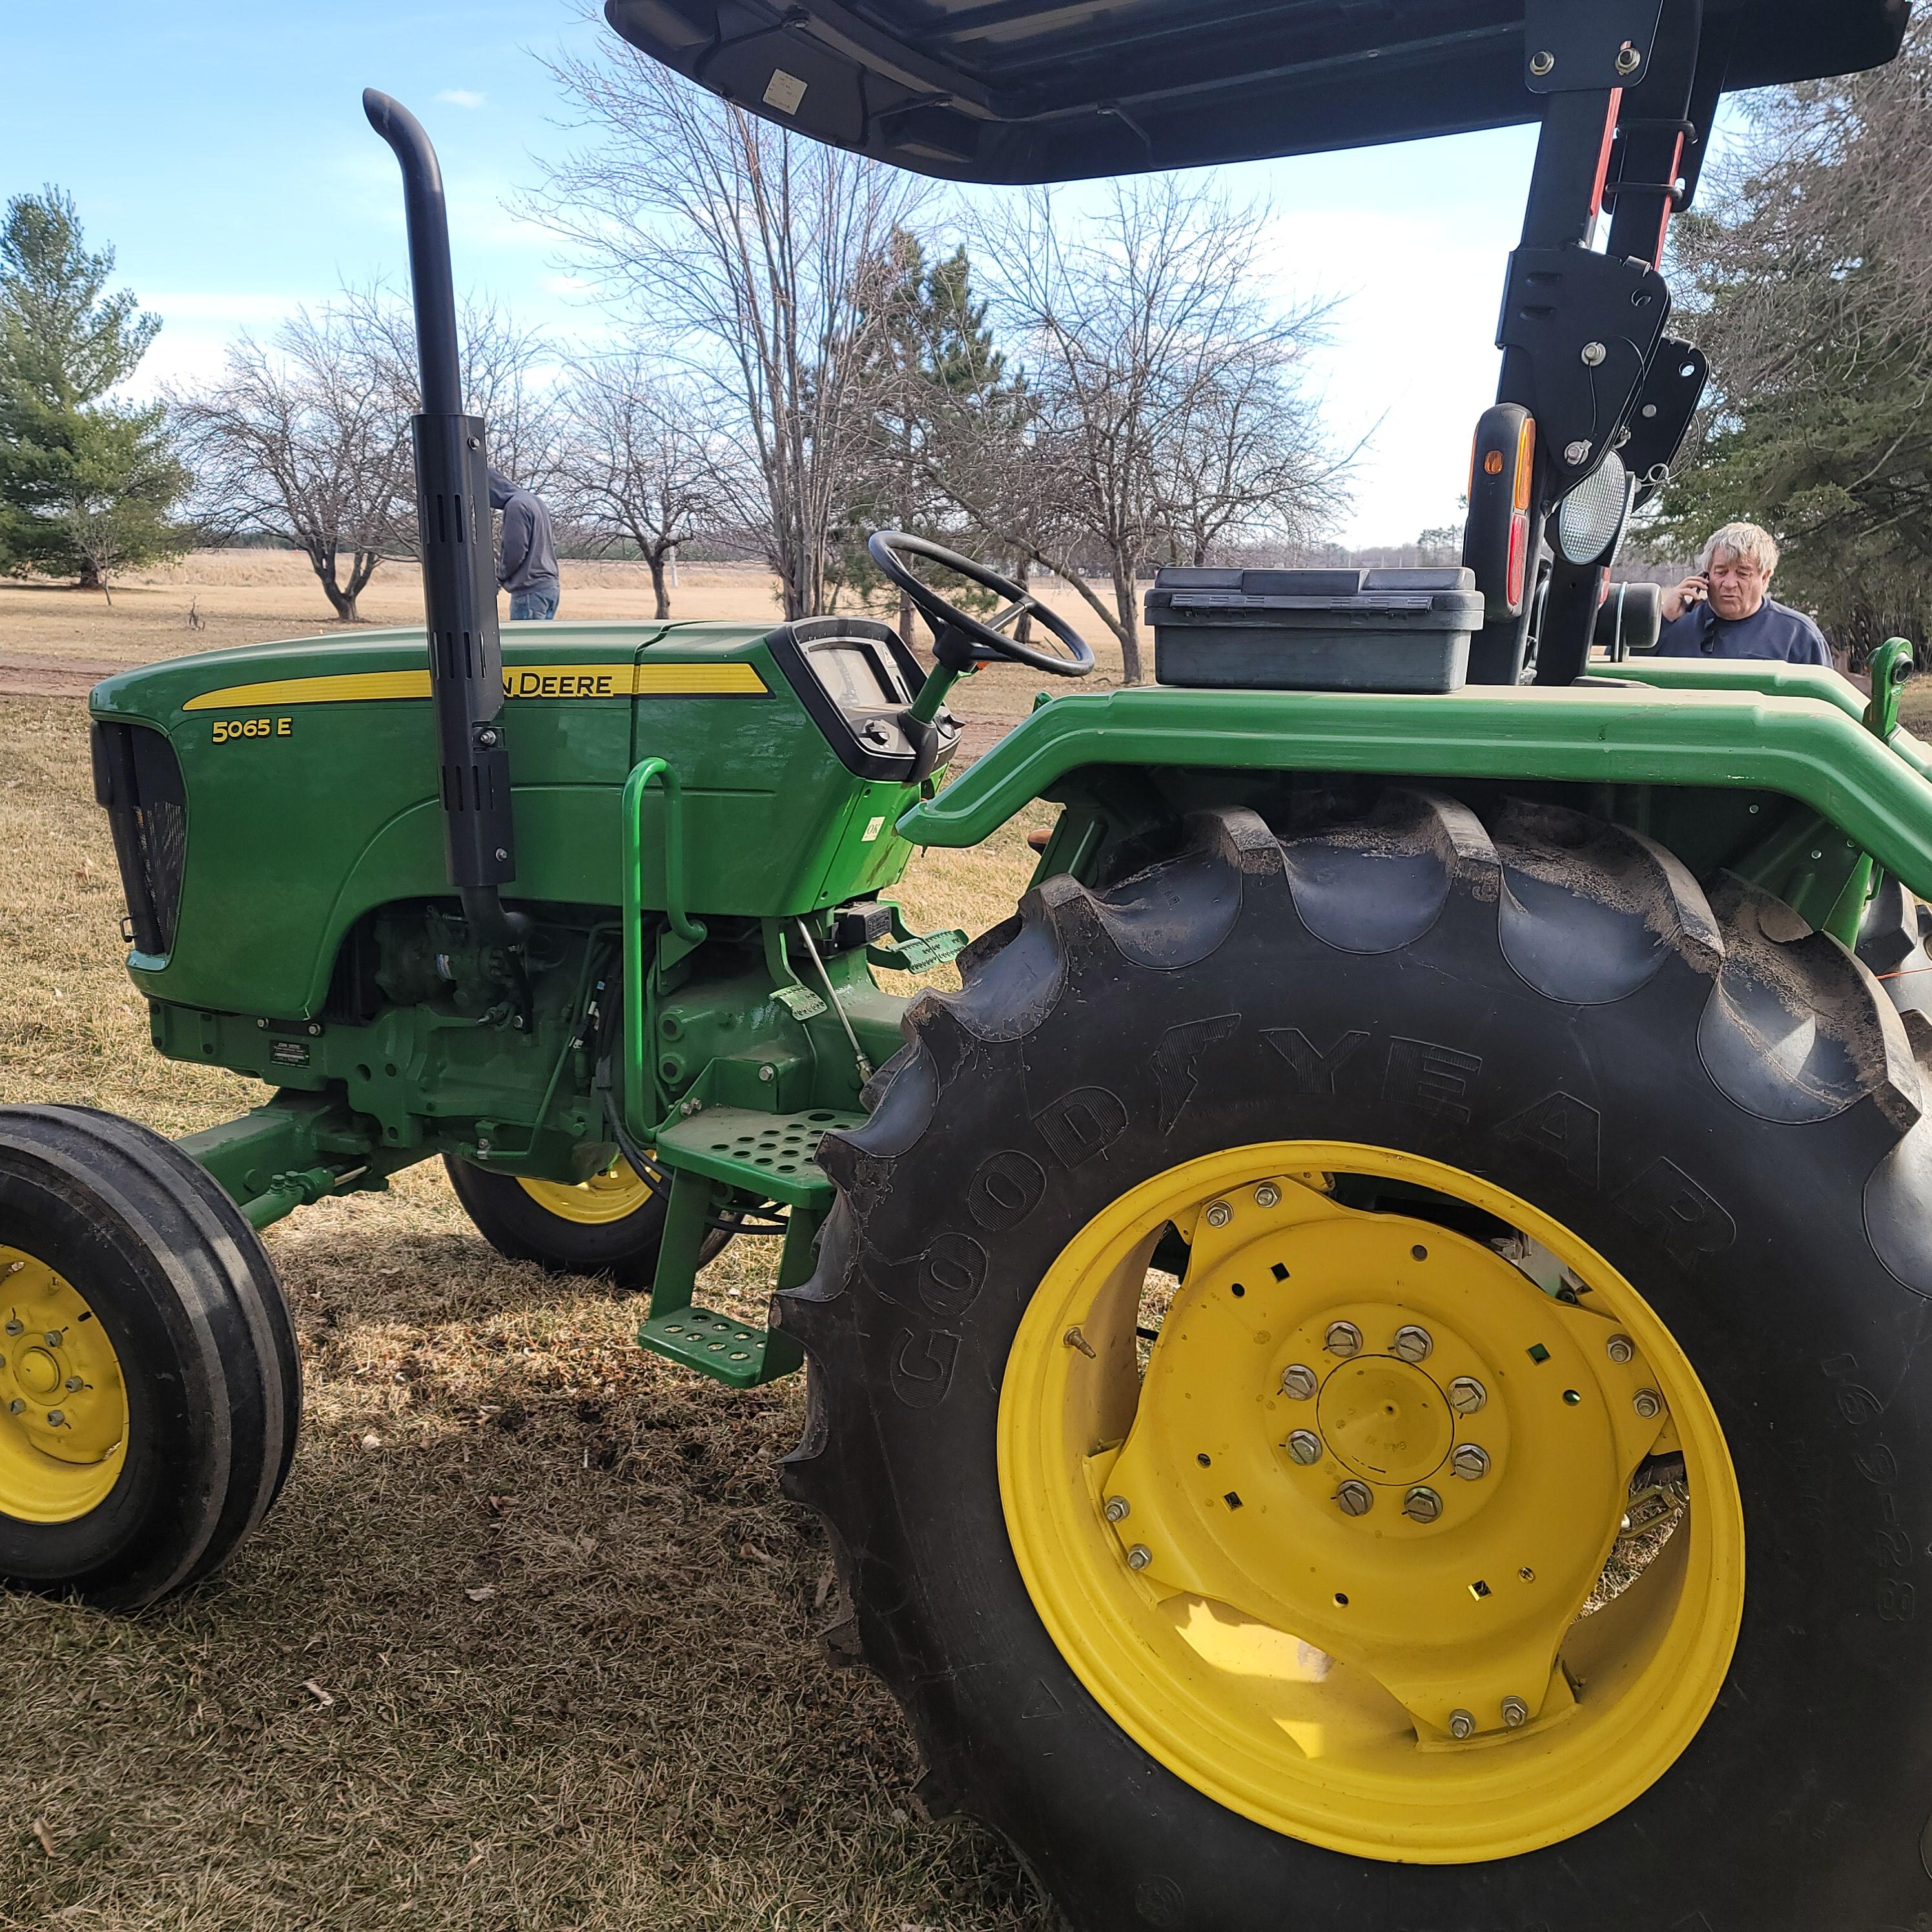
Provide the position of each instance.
(932, 349)
(87, 484)
(1809, 285)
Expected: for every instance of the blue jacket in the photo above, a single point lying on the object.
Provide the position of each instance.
(1773, 630)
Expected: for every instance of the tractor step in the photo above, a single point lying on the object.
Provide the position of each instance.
(770, 1155)
(716, 1346)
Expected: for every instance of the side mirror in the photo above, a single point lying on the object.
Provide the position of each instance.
(1630, 618)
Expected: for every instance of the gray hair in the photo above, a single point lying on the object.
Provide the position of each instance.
(1741, 540)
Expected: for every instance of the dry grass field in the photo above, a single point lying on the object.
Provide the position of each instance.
(531, 1642)
(56, 641)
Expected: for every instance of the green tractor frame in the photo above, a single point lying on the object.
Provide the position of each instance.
(1363, 1372)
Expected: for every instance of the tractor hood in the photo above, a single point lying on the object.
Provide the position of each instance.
(1062, 90)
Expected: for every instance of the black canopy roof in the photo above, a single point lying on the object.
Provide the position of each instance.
(1061, 90)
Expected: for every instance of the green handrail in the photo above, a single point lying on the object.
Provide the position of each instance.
(681, 922)
(638, 957)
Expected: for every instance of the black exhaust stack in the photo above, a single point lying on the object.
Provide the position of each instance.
(465, 657)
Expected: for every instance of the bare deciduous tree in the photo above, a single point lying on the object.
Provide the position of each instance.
(1249, 462)
(641, 465)
(751, 253)
(1163, 411)
(303, 439)
(508, 372)
(306, 439)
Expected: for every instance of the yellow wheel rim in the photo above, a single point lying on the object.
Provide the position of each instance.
(63, 1405)
(1327, 1556)
(616, 1193)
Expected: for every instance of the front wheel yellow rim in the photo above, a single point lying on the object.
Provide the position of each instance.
(63, 1402)
(614, 1194)
(1335, 1549)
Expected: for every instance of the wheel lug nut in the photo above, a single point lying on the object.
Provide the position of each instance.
(1620, 1348)
(1355, 1498)
(1218, 1213)
(15, 1327)
(1648, 1403)
(55, 1416)
(74, 1385)
(1422, 1505)
(1298, 1380)
(1118, 1509)
(1470, 1463)
(1267, 1194)
(53, 1338)
(1461, 1725)
(1516, 1713)
(1304, 1447)
(1467, 1395)
(1411, 1343)
(14, 1407)
(1139, 1557)
(1343, 1339)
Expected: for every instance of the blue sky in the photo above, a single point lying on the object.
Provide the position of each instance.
(220, 147)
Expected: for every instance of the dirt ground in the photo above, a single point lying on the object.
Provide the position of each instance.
(532, 1643)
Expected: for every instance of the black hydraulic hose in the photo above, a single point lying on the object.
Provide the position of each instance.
(429, 274)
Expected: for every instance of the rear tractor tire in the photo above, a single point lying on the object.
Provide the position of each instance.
(611, 1225)
(150, 1386)
(1546, 1213)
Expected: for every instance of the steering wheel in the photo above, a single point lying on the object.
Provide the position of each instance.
(962, 640)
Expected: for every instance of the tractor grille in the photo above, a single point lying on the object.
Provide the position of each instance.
(138, 778)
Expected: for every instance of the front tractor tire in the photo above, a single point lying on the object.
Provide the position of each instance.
(150, 1386)
(1557, 1230)
(611, 1225)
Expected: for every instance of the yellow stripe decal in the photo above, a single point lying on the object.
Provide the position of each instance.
(663, 679)
(357, 687)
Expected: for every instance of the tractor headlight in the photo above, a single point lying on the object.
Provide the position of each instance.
(1590, 520)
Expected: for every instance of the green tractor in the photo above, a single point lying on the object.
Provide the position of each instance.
(1360, 1372)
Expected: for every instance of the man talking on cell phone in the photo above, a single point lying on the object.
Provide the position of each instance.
(1725, 610)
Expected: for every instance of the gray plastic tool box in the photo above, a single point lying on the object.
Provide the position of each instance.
(1314, 630)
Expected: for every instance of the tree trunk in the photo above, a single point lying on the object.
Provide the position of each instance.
(1023, 630)
(655, 557)
(343, 602)
(1126, 601)
(90, 575)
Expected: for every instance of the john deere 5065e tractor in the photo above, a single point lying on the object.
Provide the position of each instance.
(1430, 1129)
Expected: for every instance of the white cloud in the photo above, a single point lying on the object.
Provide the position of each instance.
(461, 96)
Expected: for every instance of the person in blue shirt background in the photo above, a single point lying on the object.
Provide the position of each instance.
(1725, 609)
(527, 562)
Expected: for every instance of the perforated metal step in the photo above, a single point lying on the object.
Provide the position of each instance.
(715, 1345)
(770, 1154)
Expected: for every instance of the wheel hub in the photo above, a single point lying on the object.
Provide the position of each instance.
(614, 1194)
(1326, 1547)
(1427, 1547)
(1385, 1420)
(63, 1407)
(36, 1372)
